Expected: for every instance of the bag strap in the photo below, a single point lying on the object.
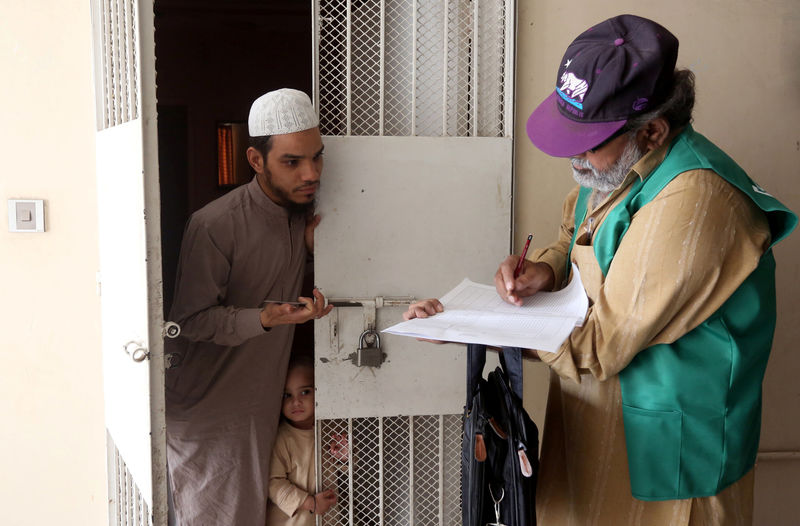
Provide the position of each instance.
(476, 359)
(510, 361)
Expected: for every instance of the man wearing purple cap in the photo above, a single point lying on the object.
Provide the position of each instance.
(654, 409)
(242, 257)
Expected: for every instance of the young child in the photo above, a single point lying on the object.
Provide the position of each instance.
(292, 480)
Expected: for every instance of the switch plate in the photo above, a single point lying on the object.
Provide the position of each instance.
(26, 215)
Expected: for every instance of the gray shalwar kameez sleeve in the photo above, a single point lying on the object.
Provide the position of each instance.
(223, 399)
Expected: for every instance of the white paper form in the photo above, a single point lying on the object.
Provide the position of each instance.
(474, 313)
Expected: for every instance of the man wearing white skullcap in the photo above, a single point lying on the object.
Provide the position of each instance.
(227, 368)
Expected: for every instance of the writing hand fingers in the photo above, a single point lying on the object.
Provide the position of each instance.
(506, 273)
(504, 281)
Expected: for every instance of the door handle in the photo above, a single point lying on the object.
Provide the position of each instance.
(136, 350)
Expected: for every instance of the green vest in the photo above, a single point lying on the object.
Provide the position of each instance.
(692, 408)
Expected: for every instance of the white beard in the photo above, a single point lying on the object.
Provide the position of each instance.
(609, 179)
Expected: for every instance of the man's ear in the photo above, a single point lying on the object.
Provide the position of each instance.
(653, 134)
(255, 159)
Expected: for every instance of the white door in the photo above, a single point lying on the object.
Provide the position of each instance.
(129, 280)
(415, 101)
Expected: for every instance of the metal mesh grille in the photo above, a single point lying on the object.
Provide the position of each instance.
(332, 60)
(126, 505)
(402, 470)
(120, 84)
(366, 73)
(491, 68)
(413, 67)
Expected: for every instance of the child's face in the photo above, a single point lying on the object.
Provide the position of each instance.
(298, 398)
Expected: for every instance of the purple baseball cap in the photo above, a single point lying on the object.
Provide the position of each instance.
(614, 70)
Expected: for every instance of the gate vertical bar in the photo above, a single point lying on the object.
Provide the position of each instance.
(411, 502)
(350, 482)
(381, 484)
(104, 63)
(316, 29)
(382, 58)
(475, 64)
(441, 470)
(444, 65)
(132, 82)
(413, 68)
(348, 73)
(126, 52)
(318, 454)
(508, 74)
(114, 85)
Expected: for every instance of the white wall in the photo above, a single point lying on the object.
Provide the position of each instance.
(746, 56)
(52, 437)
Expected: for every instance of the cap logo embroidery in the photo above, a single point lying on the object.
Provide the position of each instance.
(573, 89)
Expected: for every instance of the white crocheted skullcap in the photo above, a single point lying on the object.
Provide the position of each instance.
(280, 112)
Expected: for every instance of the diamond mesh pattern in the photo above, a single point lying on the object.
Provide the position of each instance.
(335, 473)
(366, 478)
(402, 471)
(451, 470)
(429, 70)
(396, 461)
(398, 68)
(405, 72)
(426, 470)
(332, 64)
(365, 50)
(491, 68)
(118, 59)
(459, 69)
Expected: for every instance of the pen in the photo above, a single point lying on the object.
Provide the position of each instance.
(522, 257)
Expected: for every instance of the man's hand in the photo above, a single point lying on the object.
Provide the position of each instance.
(275, 314)
(533, 278)
(312, 221)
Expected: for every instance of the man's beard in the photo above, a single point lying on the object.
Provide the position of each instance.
(610, 178)
(298, 209)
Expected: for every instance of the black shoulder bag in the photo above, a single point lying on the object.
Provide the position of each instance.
(500, 446)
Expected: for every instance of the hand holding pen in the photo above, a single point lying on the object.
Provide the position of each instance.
(518, 278)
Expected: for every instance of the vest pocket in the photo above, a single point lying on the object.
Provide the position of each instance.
(653, 443)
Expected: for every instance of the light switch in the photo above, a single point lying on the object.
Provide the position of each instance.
(26, 215)
(26, 220)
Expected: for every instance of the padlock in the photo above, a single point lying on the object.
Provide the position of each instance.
(370, 356)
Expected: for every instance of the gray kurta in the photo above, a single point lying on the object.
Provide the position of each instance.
(223, 400)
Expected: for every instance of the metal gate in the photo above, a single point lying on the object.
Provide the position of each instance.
(129, 281)
(401, 69)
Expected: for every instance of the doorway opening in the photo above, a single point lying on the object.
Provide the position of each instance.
(212, 60)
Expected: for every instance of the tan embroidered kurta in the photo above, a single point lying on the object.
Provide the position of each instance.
(224, 399)
(292, 477)
(682, 257)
